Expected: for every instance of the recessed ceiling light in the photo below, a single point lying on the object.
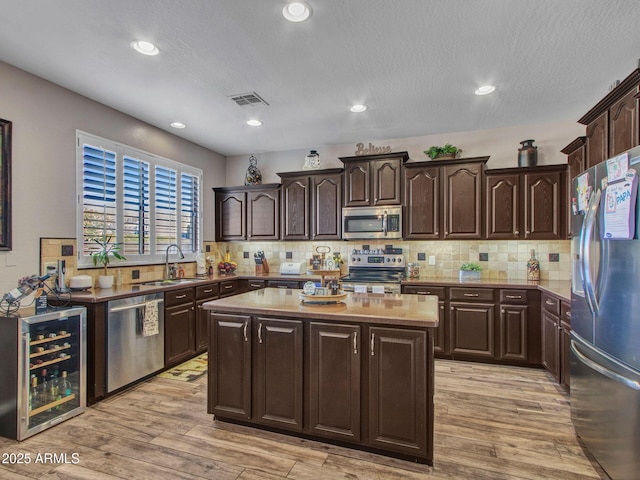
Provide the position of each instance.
(254, 123)
(358, 108)
(485, 90)
(296, 11)
(146, 48)
(178, 125)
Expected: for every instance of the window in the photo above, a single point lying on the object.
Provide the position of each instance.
(144, 202)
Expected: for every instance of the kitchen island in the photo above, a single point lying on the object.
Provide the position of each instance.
(356, 373)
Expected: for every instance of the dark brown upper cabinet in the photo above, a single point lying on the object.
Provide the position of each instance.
(311, 205)
(576, 161)
(248, 213)
(443, 199)
(526, 203)
(371, 180)
(613, 124)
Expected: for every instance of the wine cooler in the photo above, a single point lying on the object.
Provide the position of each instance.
(43, 360)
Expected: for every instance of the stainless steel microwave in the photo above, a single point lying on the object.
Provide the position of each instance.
(371, 222)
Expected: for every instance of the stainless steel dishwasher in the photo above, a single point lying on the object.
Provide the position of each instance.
(133, 349)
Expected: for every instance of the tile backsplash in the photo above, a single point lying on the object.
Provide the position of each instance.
(505, 259)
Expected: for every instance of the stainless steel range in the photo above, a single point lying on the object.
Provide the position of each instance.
(374, 268)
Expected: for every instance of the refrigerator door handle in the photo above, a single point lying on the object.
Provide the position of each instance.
(604, 371)
(585, 251)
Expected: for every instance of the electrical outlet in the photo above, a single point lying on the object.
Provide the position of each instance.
(207, 248)
(483, 257)
(67, 250)
(50, 268)
(245, 254)
(432, 259)
(135, 274)
(421, 256)
(289, 255)
(554, 257)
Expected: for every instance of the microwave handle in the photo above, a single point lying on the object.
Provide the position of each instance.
(384, 223)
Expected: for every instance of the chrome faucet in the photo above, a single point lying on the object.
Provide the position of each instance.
(170, 272)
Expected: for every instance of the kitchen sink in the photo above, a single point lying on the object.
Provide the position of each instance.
(170, 281)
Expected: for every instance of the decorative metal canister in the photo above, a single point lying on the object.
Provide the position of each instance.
(527, 154)
(413, 270)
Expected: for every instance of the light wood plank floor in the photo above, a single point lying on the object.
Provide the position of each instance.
(492, 422)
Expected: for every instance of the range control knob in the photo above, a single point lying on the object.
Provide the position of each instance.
(399, 259)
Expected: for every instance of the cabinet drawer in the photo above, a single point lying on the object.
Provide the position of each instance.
(425, 290)
(178, 297)
(551, 304)
(256, 284)
(471, 294)
(207, 291)
(283, 284)
(565, 313)
(228, 287)
(513, 297)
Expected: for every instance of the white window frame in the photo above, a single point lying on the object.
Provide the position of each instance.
(151, 257)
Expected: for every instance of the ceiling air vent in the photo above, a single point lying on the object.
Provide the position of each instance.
(248, 99)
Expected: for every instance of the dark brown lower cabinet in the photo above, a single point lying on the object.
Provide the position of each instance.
(204, 294)
(230, 366)
(472, 329)
(368, 387)
(334, 380)
(278, 366)
(440, 344)
(513, 332)
(179, 326)
(398, 387)
(551, 344)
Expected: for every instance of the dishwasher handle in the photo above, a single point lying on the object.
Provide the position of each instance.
(124, 308)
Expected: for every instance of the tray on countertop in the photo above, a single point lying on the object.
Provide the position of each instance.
(323, 299)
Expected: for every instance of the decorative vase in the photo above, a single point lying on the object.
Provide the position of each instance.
(105, 281)
(527, 154)
(533, 268)
(312, 161)
(253, 176)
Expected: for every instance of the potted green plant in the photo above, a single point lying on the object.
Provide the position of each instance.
(469, 271)
(102, 256)
(448, 151)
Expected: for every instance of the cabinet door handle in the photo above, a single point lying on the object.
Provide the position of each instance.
(260, 333)
(282, 286)
(423, 293)
(256, 285)
(515, 297)
(200, 306)
(208, 291)
(355, 343)
(568, 314)
(373, 344)
(550, 303)
(502, 311)
(436, 232)
(181, 296)
(517, 232)
(528, 232)
(452, 308)
(227, 287)
(244, 330)
(471, 294)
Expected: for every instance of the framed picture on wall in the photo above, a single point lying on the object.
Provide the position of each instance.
(5, 184)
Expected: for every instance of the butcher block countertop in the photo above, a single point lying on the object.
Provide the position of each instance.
(420, 311)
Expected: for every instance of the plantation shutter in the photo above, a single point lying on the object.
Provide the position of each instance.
(166, 208)
(189, 212)
(98, 195)
(136, 215)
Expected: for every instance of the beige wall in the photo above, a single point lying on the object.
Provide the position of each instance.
(45, 118)
(501, 145)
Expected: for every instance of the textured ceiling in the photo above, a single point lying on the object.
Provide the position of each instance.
(415, 63)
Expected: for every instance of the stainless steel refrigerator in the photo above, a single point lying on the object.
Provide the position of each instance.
(605, 313)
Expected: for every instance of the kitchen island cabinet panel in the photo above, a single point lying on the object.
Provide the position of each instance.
(230, 366)
(359, 372)
(334, 380)
(398, 400)
(278, 365)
